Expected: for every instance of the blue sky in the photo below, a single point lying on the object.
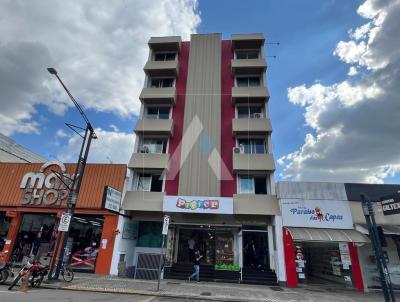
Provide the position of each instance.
(309, 33)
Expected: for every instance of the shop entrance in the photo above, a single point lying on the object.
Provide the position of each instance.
(255, 250)
(4, 226)
(35, 236)
(323, 263)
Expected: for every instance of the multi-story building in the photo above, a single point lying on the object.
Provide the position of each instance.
(203, 156)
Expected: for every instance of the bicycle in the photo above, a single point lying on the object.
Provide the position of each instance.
(67, 273)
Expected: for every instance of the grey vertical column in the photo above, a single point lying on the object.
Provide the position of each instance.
(202, 112)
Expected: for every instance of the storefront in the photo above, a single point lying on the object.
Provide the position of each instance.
(387, 217)
(320, 242)
(233, 246)
(33, 199)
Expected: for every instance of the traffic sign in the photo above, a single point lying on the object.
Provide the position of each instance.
(64, 222)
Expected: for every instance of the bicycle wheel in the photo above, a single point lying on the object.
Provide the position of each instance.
(15, 281)
(67, 274)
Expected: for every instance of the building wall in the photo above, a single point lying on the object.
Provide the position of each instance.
(10, 151)
(203, 102)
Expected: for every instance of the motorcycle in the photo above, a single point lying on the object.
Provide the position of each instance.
(37, 270)
(6, 269)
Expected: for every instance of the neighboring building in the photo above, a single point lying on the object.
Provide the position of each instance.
(32, 201)
(325, 235)
(10, 151)
(203, 155)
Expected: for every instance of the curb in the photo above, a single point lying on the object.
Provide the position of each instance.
(153, 294)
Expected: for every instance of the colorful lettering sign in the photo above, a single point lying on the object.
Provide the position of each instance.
(316, 213)
(198, 204)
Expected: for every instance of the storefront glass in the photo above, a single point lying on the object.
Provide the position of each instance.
(149, 234)
(84, 241)
(35, 236)
(4, 226)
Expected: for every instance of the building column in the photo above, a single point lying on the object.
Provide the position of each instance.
(290, 261)
(279, 254)
(355, 265)
(12, 232)
(104, 258)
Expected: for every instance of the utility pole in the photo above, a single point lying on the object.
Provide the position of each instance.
(75, 186)
(376, 244)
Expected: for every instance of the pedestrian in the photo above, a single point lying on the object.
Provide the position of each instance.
(197, 257)
(191, 244)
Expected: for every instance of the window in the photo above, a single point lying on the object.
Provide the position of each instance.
(253, 145)
(247, 54)
(157, 113)
(164, 56)
(253, 184)
(249, 111)
(153, 145)
(248, 81)
(147, 182)
(161, 83)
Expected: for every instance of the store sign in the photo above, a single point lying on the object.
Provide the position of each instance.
(41, 189)
(198, 204)
(333, 214)
(391, 204)
(112, 199)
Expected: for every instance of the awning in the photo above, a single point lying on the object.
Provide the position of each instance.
(333, 235)
(387, 229)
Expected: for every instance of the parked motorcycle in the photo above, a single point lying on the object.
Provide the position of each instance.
(37, 273)
(6, 269)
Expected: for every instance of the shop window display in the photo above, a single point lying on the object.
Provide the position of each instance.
(84, 241)
(35, 236)
(224, 255)
(4, 226)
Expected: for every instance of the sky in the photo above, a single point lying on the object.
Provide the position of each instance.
(333, 84)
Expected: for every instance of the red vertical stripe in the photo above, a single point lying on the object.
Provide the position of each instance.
(171, 185)
(355, 265)
(228, 186)
(290, 263)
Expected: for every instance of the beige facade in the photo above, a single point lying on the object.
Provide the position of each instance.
(253, 162)
(250, 95)
(158, 95)
(161, 68)
(251, 125)
(140, 161)
(154, 127)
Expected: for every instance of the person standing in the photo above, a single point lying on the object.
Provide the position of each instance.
(197, 257)
(191, 244)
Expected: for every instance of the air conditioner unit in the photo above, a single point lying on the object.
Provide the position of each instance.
(258, 115)
(145, 149)
(238, 150)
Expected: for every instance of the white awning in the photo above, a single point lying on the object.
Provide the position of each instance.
(387, 229)
(333, 235)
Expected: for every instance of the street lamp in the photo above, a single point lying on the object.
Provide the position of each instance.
(75, 186)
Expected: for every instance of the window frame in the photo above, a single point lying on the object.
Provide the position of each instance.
(247, 51)
(164, 145)
(267, 178)
(161, 79)
(136, 176)
(165, 53)
(248, 108)
(248, 76)
(147, 107)
(252, 145)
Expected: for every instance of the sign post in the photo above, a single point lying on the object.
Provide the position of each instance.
(380, 259)
(164, 233)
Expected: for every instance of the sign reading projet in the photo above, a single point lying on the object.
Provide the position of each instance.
(198, 204)
(333, 214)
(42, 189)
(391, 204)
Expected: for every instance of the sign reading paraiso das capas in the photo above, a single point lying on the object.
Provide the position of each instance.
(333, 214)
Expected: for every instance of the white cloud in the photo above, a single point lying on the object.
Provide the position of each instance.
(352, 71)
(110, 146)
(355, 122)
(61, 133)
(98, 48)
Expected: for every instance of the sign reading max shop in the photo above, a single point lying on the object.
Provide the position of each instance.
(41, 189)
(198, 204)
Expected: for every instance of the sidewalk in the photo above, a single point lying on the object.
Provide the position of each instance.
(210, 290)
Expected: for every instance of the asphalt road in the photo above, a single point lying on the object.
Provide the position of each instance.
(53, 295)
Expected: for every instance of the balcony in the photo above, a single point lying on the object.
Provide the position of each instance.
(249, 95)
(143, 201)
(161, 68)
(158, 95)
(172, 43)
(154, 127)
(253, 162)
(248, 66)
(255, 204)
(249, 41)
(251, 125)
(154, 161)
